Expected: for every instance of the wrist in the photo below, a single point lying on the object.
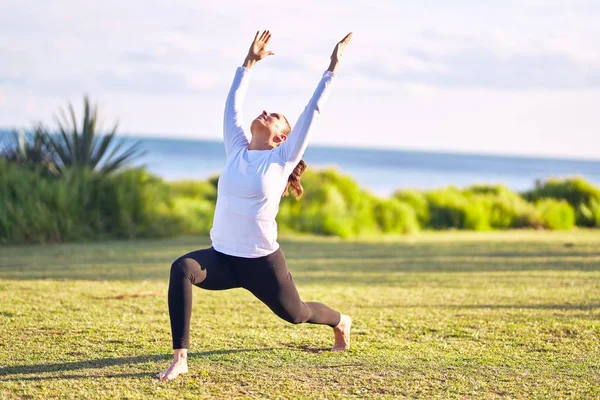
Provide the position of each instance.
(332, 66)
(249, 62)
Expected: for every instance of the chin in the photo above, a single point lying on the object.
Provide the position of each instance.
(257, 127)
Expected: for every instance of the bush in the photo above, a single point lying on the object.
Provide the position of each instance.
(194, 205)
(418, 201)
(394, 216)
(332, 204)
(82, 204)
(576, 191)
(31, 149)
(589, 213)
(556, 214)
(449, 208)
(195, 216)
(480, 208)
(194, 189)
(135, 203)
(504, 209)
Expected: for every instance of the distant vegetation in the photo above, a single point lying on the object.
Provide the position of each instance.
(82, 204)
(74, 145)
(76, 185)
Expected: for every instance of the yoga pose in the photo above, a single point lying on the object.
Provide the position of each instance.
(245, 253)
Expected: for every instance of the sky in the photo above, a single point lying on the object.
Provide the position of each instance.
(501, 77)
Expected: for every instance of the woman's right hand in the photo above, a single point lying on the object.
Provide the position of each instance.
(258, 49)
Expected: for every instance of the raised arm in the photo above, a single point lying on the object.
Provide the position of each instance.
(233, 133)
(292, 150)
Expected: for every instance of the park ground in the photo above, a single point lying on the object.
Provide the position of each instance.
(436, 315)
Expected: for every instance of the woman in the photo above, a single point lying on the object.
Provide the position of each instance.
(244, 251)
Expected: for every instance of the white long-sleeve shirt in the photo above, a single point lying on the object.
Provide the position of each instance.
(252, 182)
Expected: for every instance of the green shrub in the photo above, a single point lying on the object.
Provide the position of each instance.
(556, 214)
(335, 213)
(495, 190)
(194, 189)
(27, 197)
(504, 209)
(590, 213)
(578, 192)
(449, 208)
(31, 149)
(332, 204)
(136, 204)
(394, 216)
(82, 204)
(418, 201)
(195, 215)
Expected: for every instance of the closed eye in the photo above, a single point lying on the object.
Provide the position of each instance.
(276, 115)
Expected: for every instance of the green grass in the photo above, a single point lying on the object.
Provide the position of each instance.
(437, 315)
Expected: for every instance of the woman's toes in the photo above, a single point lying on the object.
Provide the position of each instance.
(174, 370)
(342, 334)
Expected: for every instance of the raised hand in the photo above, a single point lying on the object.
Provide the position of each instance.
(338, 50)
(258, 49)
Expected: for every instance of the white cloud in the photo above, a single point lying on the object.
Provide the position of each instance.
(443, 71)
(199, 81)
(31, 106)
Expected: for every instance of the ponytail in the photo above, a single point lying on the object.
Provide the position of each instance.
(294, 181)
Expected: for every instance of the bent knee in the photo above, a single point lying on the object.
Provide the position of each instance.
(177, 267)
(185, 266)
(296, 318)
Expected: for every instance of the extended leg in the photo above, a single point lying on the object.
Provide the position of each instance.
(269, 280)
(206, 269)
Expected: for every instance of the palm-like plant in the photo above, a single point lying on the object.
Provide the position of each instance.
(86, 147)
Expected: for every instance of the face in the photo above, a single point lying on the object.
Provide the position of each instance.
(269, 124)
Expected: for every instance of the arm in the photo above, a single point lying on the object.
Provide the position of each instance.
(292, 150)
(233, 133)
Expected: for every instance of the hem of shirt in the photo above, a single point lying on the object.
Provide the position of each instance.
(254, 254)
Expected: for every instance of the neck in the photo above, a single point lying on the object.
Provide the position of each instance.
(257, 144)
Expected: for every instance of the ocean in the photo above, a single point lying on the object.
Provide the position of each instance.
(380, 171)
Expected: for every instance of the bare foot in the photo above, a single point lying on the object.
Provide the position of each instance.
(342, 334)
(176, 368)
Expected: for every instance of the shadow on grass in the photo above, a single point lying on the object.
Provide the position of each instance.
(309, 349)
(582, 307)
(102, 363)
(54, 377)
(139, 260)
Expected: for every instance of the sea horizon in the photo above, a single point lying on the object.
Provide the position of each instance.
(382, 171)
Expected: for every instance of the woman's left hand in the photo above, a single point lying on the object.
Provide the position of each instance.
(338, 51)
(339, 48)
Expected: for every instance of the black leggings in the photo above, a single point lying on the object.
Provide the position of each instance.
(266, 277)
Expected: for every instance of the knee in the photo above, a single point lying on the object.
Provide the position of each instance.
(183, 267)
(177, 268)
(297, 317)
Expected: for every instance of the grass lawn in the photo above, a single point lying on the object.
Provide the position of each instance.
(436, 315)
